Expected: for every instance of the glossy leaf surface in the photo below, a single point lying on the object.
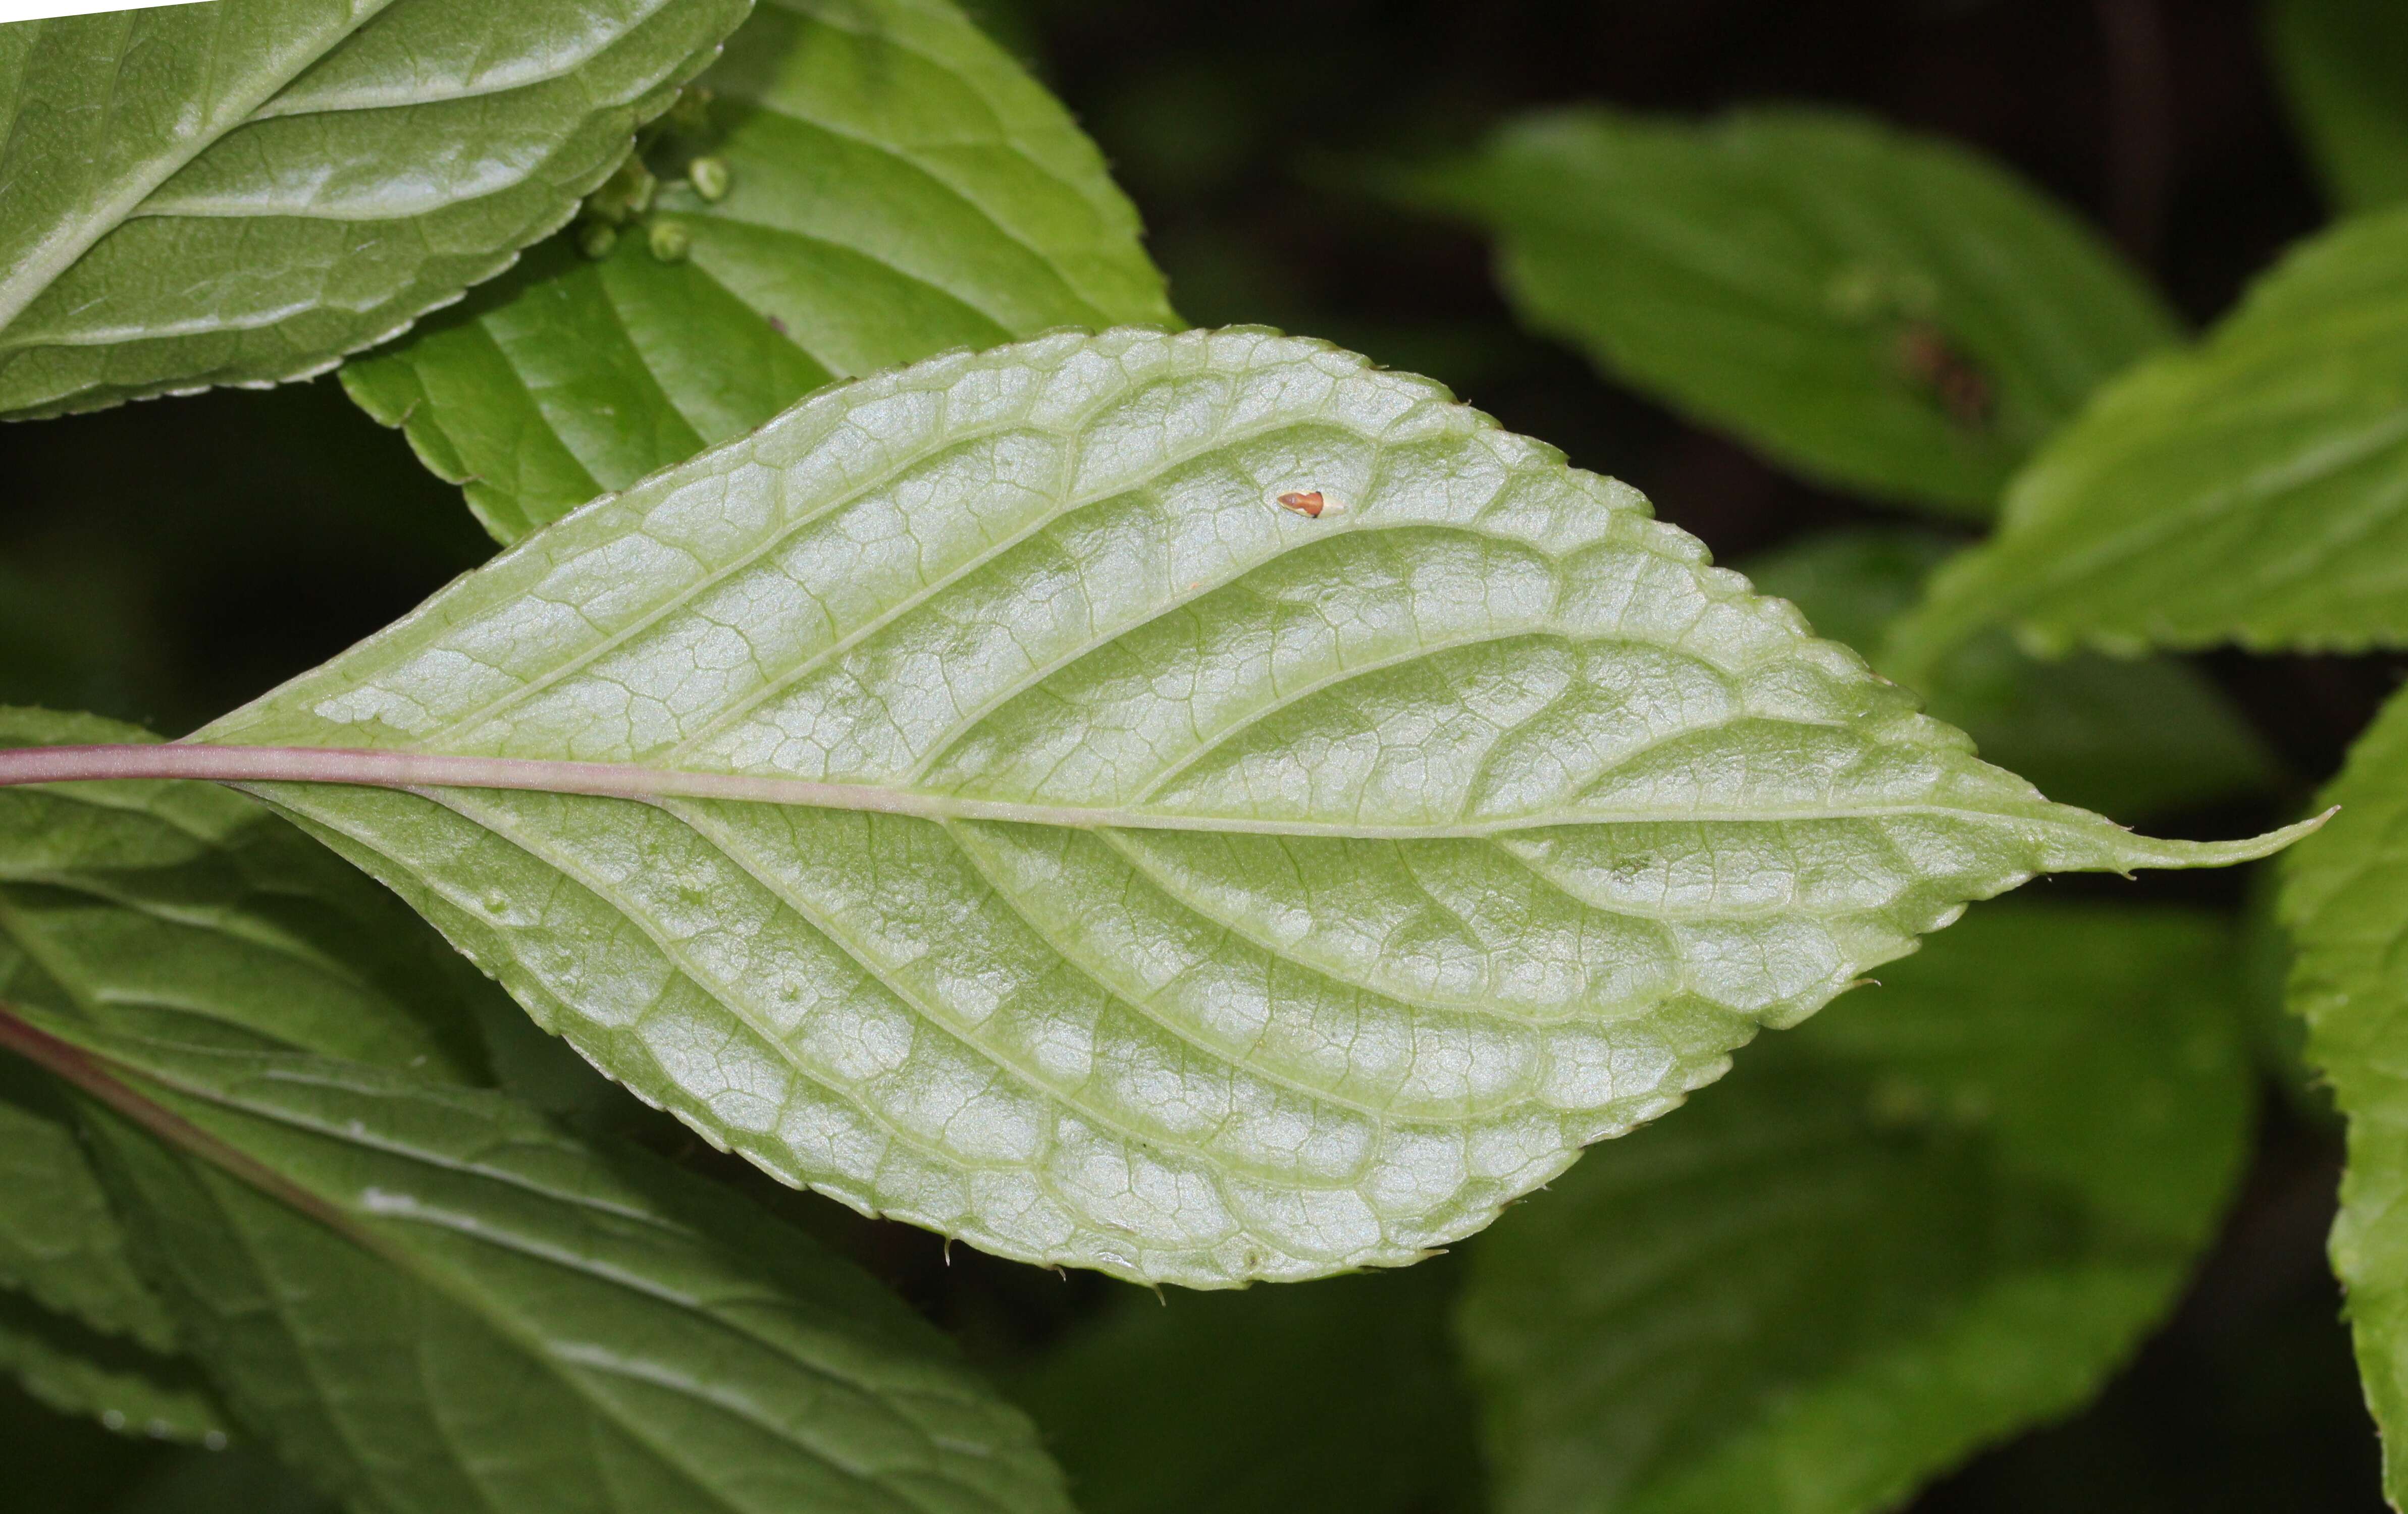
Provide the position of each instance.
(895, 186)
(431, 1299)
(996, 810)
(2344, 68)
(2128, 738)
(1880, 311)
(1943, 1212)
(2253, 489)
(2345, 903)
(244, 192)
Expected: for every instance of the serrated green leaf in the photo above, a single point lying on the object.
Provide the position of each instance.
(60, 1241)
(1881, 311)
(1341, 1398)
(430, 1299)
(2128, 738)
(1936, 1216)
(130, 1390)
(246, 191)
(187, 906)
(2345, 903)
(2345, 69)
(2253, 489)
(897, 186)
(975, 796)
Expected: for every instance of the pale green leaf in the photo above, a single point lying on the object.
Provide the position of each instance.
(243, 191)
(1341, 1398)
(895, 186)
(2345, 903)
(1879, 311)
(2253, 489)
(126, 1387)
(2128, 738)
(430, 1299)
(185, 907)
(975, 796)
(2344, 68)
(1943, 1212)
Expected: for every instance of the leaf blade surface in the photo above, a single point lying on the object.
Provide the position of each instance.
(2346, 905)
(2244, 491)
(243, 192)
(431, 1298)
(897, 186)
(1173, 883)
(1877, 310)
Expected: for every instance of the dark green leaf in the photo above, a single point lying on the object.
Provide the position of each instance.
(1341, 1398)
(2346, 905)
(2128, 738)
(895, 186)
(124, 1386)
(2344, 65)
(1883, 311)
(188, 907)
(243, 1480)
(1941, 1212)
(243, 191)
(2253, 489)
(432, 1300)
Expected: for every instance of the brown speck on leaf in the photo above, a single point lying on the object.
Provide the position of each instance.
(1927, 356)
(777, 325)
(1309, 504)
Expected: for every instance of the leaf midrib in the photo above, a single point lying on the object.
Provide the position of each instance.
(202, 1145)
(248, 767)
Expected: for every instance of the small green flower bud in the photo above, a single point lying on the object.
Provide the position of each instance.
(596, 239)
(668, 241)
(709, 176)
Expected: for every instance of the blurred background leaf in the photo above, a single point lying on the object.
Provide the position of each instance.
(1945, 1208)
(2251, 489)
(1876, 310)
(1341, 1397)
(2344, 63)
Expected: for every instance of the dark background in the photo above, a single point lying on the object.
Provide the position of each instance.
(166, 561)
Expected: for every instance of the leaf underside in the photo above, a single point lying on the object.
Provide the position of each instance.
(432, 1300)
(241, 192)
(1340, 877)
(1883, 311)
(2253, 489)
(424, 1295)
(1901, 1233)
(187, 910)
(2345, 903)
(897, 186)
